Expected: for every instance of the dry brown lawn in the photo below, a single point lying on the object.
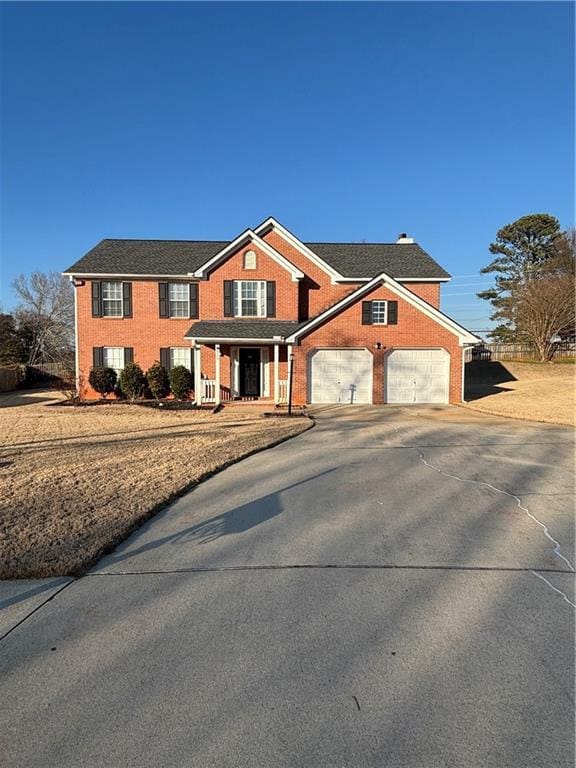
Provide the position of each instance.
(76, 481)
(533, 391)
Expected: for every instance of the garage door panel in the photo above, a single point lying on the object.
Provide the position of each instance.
(417, 376)
(341, 376)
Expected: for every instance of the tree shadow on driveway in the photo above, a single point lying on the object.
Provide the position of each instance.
(237, 520)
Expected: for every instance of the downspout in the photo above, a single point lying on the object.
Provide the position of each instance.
(76, 350)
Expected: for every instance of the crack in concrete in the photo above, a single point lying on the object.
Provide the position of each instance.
(513, 496)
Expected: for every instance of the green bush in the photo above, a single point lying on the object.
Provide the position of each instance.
(102, 380)
(158, 381)
(181, 382)
(132, 382)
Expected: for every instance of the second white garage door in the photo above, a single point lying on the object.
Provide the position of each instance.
(418, 376)
(341, 376)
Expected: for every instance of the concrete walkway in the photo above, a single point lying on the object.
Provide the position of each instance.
(380, 591)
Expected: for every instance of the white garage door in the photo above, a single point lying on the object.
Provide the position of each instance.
(418, 376)
(341, 376)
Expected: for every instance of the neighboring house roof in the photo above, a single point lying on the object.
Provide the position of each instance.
(242, 329)
(182, 258)
(464, 336)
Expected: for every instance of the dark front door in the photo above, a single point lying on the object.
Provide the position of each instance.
(249, 372)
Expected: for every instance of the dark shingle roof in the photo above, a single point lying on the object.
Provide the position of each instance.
(146, 257)
(370, 259)
(182, 257)
(241, 329)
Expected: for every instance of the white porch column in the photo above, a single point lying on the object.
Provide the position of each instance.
(290, 350)
(276, 368)
(217, 381)
(197, 374)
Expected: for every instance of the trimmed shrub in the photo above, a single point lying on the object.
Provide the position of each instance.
(102, 380)
(132, 382)
(158, 381)
(181, 382)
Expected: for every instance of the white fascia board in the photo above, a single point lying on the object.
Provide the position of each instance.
(249, 236)
(401, 279)
(271, 223)
(100, 275)
(464, 336)
(232, 340)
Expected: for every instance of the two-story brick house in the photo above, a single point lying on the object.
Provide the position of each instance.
(358, 322)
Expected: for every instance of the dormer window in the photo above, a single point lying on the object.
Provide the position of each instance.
(249, 260)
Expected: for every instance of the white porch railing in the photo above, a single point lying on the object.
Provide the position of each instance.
(208, 394)
(282, 390)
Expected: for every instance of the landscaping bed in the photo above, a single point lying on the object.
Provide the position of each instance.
(521, 390)
(77, 481)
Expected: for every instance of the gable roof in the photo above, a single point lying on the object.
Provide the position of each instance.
(464, 336)
(184, 258)
(248, 237)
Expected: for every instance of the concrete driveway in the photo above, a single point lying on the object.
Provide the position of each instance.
(392, 588)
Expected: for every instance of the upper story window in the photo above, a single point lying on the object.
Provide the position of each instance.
(179, 299)
(111, 299)
(379, 312)
(250, 298)
(249, 260)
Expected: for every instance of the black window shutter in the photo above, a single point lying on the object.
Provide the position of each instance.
(98, 356)
(128, 355)
(96, 299)
(392, 313)
(127, 299)
(228, 308)
(163, 299)
(193, 300)
(366, 313)
(165, 357)
(271, 298)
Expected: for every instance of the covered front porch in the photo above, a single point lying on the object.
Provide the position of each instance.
(241, 361)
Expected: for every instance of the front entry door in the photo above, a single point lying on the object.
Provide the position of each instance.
(249, 372)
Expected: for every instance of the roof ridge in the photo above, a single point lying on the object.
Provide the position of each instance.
(156, 240)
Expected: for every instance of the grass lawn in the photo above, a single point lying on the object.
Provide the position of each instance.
(533, 391)
(77, 481)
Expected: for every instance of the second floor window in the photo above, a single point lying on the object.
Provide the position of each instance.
(379, 312)
(111, 299)
(250, 298)
(179, 299)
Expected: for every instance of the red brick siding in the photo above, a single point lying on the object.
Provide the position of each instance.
(212, 290)
(414, 329)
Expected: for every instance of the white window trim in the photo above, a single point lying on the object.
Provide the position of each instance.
(103, 301)
(187, 300)
(260, 298)
(107, 365)
(188, 356)
(250, 260)
(380, 322)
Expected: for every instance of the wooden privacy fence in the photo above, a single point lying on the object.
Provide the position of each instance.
(11, 376)
(563, 350)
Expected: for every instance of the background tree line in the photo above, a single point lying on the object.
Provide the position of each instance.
(41, 327)
(533, 296)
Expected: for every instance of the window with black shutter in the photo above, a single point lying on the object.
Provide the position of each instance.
(127, 299)
(228, 308)
(366, 313)
(163, 299)
(96, 299)
(392, 313)
(271, 298)
(194, 300)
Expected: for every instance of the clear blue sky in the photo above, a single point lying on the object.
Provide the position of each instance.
(345, 121)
